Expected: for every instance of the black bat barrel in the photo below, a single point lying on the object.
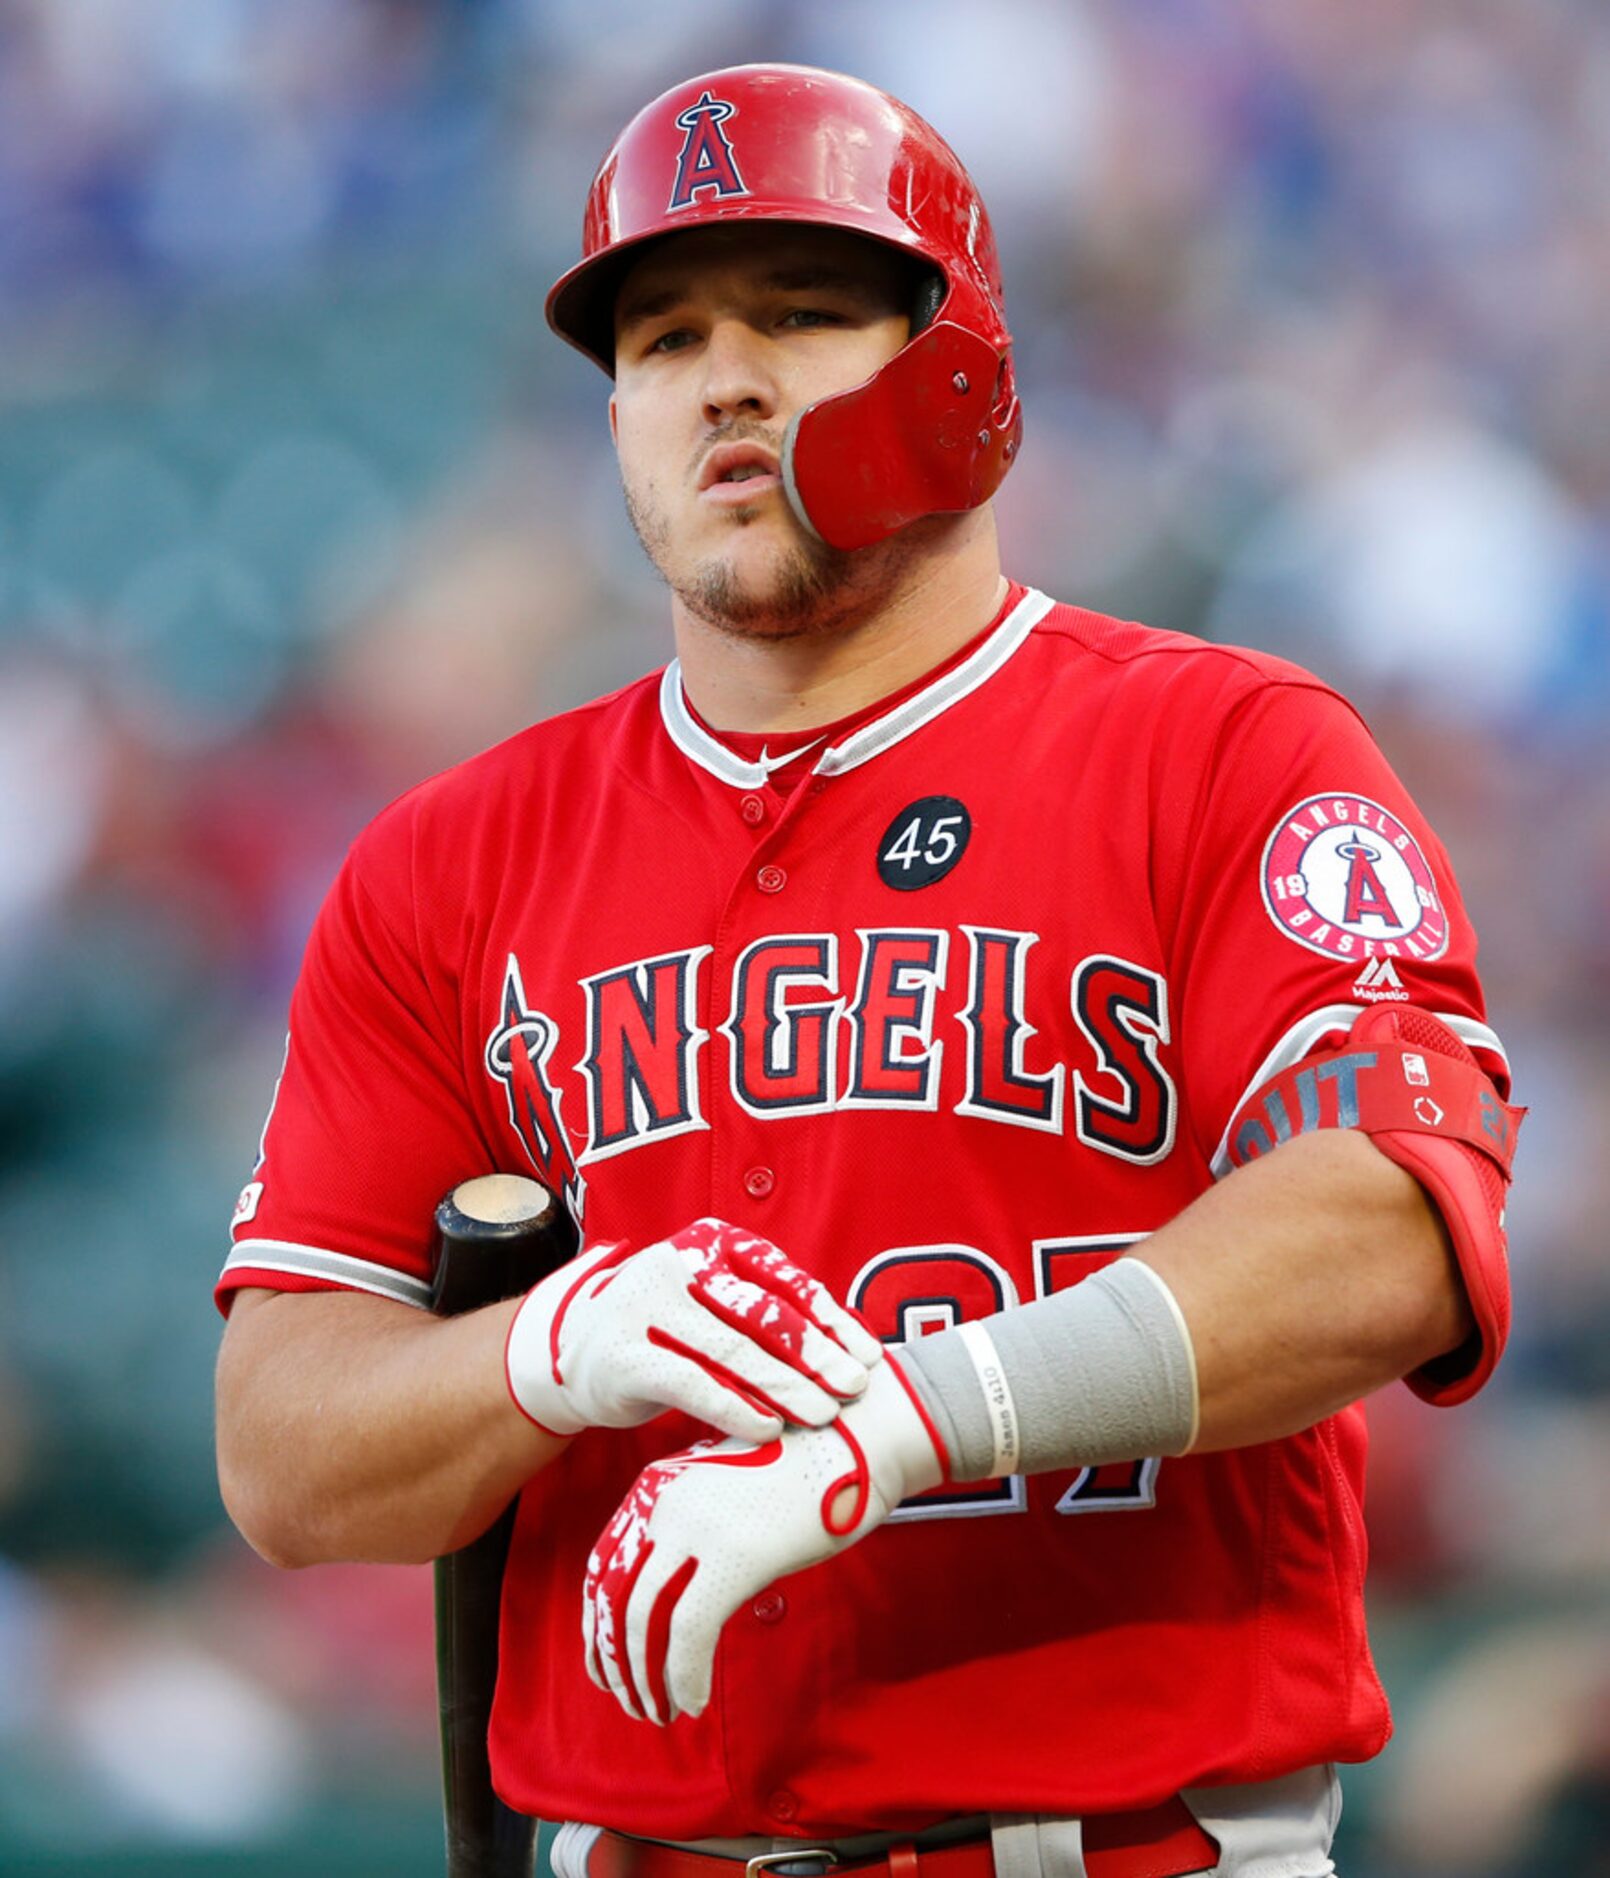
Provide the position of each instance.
(495, 1237)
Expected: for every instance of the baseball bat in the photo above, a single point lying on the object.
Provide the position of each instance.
(496, 1236)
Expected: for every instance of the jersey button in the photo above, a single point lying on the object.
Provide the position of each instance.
(753, 810)
(782, 1804)
(771, 879)
(771, 1607)
(758, 1182)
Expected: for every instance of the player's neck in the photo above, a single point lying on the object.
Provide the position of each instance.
(758, 684)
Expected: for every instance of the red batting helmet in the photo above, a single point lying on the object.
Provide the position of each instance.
(936, 428)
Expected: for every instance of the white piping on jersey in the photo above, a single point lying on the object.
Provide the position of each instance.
(312, 1261)
(1304, 1036)
(871, 740)
(884, 732)
(1474, 1036)
(694, 741)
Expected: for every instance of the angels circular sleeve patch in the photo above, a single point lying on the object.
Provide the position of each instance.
(1344, 877)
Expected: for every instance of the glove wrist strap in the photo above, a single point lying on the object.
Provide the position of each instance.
(528, 1358)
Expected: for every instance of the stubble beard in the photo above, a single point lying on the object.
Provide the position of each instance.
(810, 588)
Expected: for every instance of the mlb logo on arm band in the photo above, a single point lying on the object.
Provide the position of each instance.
(1343, 876)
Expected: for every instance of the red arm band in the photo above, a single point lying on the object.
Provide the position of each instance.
(1407, 1081)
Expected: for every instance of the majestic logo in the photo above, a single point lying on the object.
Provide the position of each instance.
(706, 159)
(1344, 877)
(1379, 983)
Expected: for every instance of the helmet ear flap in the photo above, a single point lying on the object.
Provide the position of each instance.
(858, 465)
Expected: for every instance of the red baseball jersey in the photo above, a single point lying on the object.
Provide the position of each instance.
(954, 1020)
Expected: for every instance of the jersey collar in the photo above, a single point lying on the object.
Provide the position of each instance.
(869, 740)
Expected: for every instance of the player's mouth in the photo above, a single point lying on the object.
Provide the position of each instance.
(736, 473)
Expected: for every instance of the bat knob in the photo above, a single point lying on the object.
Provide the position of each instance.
(495, 1206)
(496, 1235)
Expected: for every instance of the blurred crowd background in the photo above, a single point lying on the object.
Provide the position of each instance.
(299, 502)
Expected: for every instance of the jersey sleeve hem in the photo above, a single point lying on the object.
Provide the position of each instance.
(262, 1260)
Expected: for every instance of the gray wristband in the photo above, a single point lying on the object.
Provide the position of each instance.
(1101, 1372)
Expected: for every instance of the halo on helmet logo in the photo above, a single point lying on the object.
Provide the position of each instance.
(706, 159)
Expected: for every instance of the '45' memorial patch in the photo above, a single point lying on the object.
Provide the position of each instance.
(1344, 877)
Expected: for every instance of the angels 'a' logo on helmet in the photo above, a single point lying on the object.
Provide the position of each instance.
(706, 159)
(1343, 876)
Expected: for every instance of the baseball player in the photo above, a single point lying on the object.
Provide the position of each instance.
(1021, 1078)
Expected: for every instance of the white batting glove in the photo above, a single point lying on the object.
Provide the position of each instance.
(703, 1531)
(713, 1321)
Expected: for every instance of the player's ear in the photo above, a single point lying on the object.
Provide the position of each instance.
(614, 423)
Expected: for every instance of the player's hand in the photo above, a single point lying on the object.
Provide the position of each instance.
(713, 1321)
(702, 1531)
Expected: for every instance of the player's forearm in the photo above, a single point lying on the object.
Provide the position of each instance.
(1300, 1284)
(1307, 1280)
(350, 1427)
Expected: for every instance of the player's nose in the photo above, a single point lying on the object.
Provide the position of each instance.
(738, 380)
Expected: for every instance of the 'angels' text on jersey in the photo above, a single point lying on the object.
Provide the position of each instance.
(790, 997)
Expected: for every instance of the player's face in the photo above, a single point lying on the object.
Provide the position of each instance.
(722, 334)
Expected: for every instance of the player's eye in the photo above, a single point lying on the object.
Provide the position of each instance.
(672, 340)
(807, 317)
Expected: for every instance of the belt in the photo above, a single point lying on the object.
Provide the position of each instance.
(1157, 1842)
